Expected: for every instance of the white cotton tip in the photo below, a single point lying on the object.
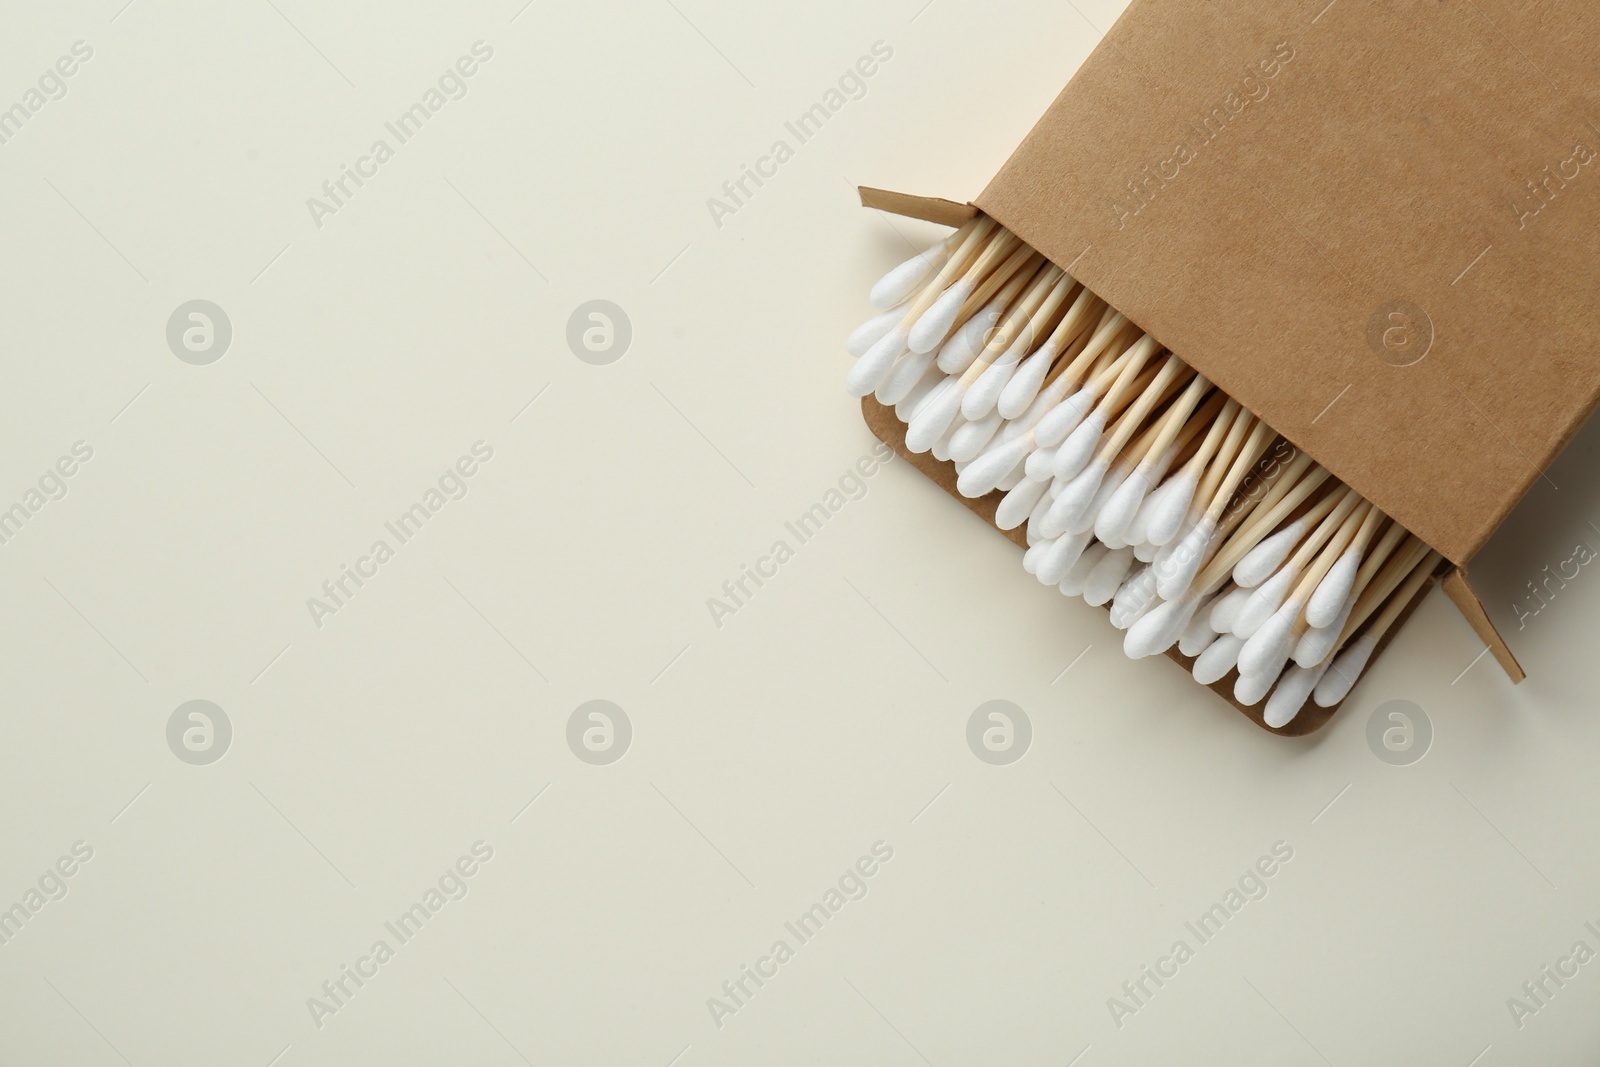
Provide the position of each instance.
(957, 354)
(1012, 480)
(1165, 509)
(1073, 503)
(1136, 597)
(1024, 385)
(1072, 582)
(1315, 644)
(1197, 636)
(1041, 463)
(1030, 558)
(1329, 596)
(984, 394)
(1018, 503)
(1290, 694)
(1220, 657)
(1145, 551)
(987, 469)
(908, 407)
(1138, 532)
(874, 366)
(941, 386)
(1108, 488)
(903, 377)
(971, 439)
(871, 332)
(1225, 609)
(1160, 628)
(1177, 570)
(1267, 650)
(905, 279)
(1057, 423)
(1079, 447)
(1036, 516)
(933, 325)
(1252, 689)
(1060, 556)
(934, 419)
(1117, 513)
(1265, 599)
(1261, 561)
(1106, 578)
(1037, 410)
(1344, 672)
(941, 447)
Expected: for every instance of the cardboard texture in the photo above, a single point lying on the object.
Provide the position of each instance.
(1295, 197)
(888, 428)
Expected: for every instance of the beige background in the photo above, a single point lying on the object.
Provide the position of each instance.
(769, 753)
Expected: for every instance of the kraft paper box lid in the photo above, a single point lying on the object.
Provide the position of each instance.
(1294, 197)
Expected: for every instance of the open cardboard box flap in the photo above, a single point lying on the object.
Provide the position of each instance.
(951, 213)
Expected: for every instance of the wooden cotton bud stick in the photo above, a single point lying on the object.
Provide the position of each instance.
(1039, 287)
(974, 329)
(1328, 598)
(1113, 520)
(1264, 656)
(934, 324)
(1042, 462)
(982, 397)
(1079, 447)
(1092, 367)
(934, 419)
(1176, 568)
(1270, 594)
(1164, 509)
(1348, 665)
(1253, 559)
(1268, 647)
(1030, 377)
(1022, 260)
(975, 322)
(1074, 506)
(1234, 530)
(1318, 645)
(1137, 530)
(874, 364)
(1062, 381)
(987, 469)
(1161, 626)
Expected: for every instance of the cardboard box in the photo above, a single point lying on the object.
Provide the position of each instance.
(1361, 220)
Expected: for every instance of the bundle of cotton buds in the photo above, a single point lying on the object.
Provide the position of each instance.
(1141, 484)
